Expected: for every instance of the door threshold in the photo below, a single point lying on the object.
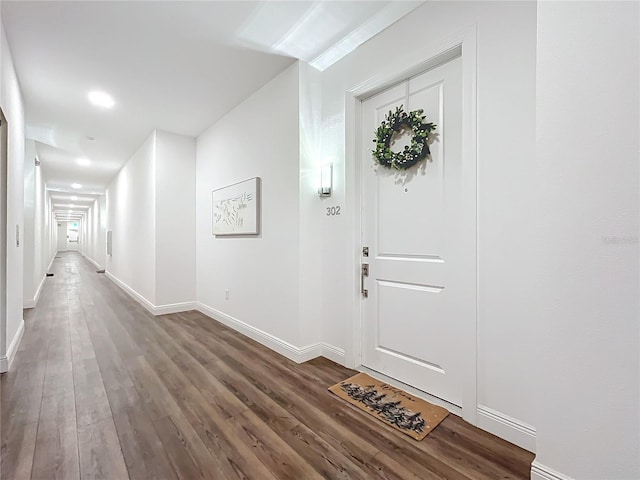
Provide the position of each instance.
(455, 409)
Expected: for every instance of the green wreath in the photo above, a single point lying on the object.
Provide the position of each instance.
(394, 122)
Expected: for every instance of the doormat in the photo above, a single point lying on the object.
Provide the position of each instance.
(404, 412)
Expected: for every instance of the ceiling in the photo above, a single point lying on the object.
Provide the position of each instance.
(175, 66)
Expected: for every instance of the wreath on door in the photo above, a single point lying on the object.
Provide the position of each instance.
(396, 122)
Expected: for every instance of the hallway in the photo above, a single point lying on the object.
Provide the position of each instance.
(102, 389)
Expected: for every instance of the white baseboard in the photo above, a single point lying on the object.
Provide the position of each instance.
(53, 257)
(334, 354)
(542, 472)
(297, 354)
(174, 308)
(91, 260)
(132, 293)
(151, 308)
(283, 347)
(506, 427)
(6, 362)
(32, 302)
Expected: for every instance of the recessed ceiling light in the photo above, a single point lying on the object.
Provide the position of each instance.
(101, 99)
(76, 185)
(85, 162)
(74, 198)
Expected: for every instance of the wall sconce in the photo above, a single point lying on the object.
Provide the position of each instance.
(326, 180)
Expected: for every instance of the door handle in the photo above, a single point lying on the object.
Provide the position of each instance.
(364, 272)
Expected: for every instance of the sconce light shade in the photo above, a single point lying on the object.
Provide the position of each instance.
(326, 180)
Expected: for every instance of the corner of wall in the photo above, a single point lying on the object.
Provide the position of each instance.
(175, 217)
(297, 354)
(147, 304)
(7, 361)
(335, 354)
(506, 427)
(32, 302)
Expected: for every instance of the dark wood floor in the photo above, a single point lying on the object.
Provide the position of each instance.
(102, 389)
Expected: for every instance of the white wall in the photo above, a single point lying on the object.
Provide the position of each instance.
(37, 254)
(587, 376)
(93, 245)
(50, 230)
(259, 138)
(99, 231)
(12, 106)
(87, 245)
(151, 211)
(506, 44)
(311, 264)
(131, 207)
(42, 255)
(29, 247)
(175, 218)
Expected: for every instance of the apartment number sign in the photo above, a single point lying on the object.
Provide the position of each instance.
(333, 211)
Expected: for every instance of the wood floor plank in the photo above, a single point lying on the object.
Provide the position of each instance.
(180, 371)
(112, 367)
(142, 449)
(92, 404)
(18, 451)
(21, 403)
(100, 453)
(190, 458)
(103, 389)
(233, 457)
(154, 394)
(56, 451)
(281, 460)
(236, 459)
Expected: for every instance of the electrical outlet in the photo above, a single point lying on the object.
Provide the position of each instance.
(226, 294)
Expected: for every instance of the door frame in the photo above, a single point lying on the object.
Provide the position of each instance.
(4, 240)
(66, 235)
(463, 44)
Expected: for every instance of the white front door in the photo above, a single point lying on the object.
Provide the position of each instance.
(62, 237)
(73, 236)
(419, 228)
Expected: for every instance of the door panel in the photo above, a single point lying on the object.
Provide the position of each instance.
(421, 276)
(413, 231)
(62, 237)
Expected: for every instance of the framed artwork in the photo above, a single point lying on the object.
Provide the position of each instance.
(236, 208)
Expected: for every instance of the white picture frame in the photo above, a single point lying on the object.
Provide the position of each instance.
(236, 208)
